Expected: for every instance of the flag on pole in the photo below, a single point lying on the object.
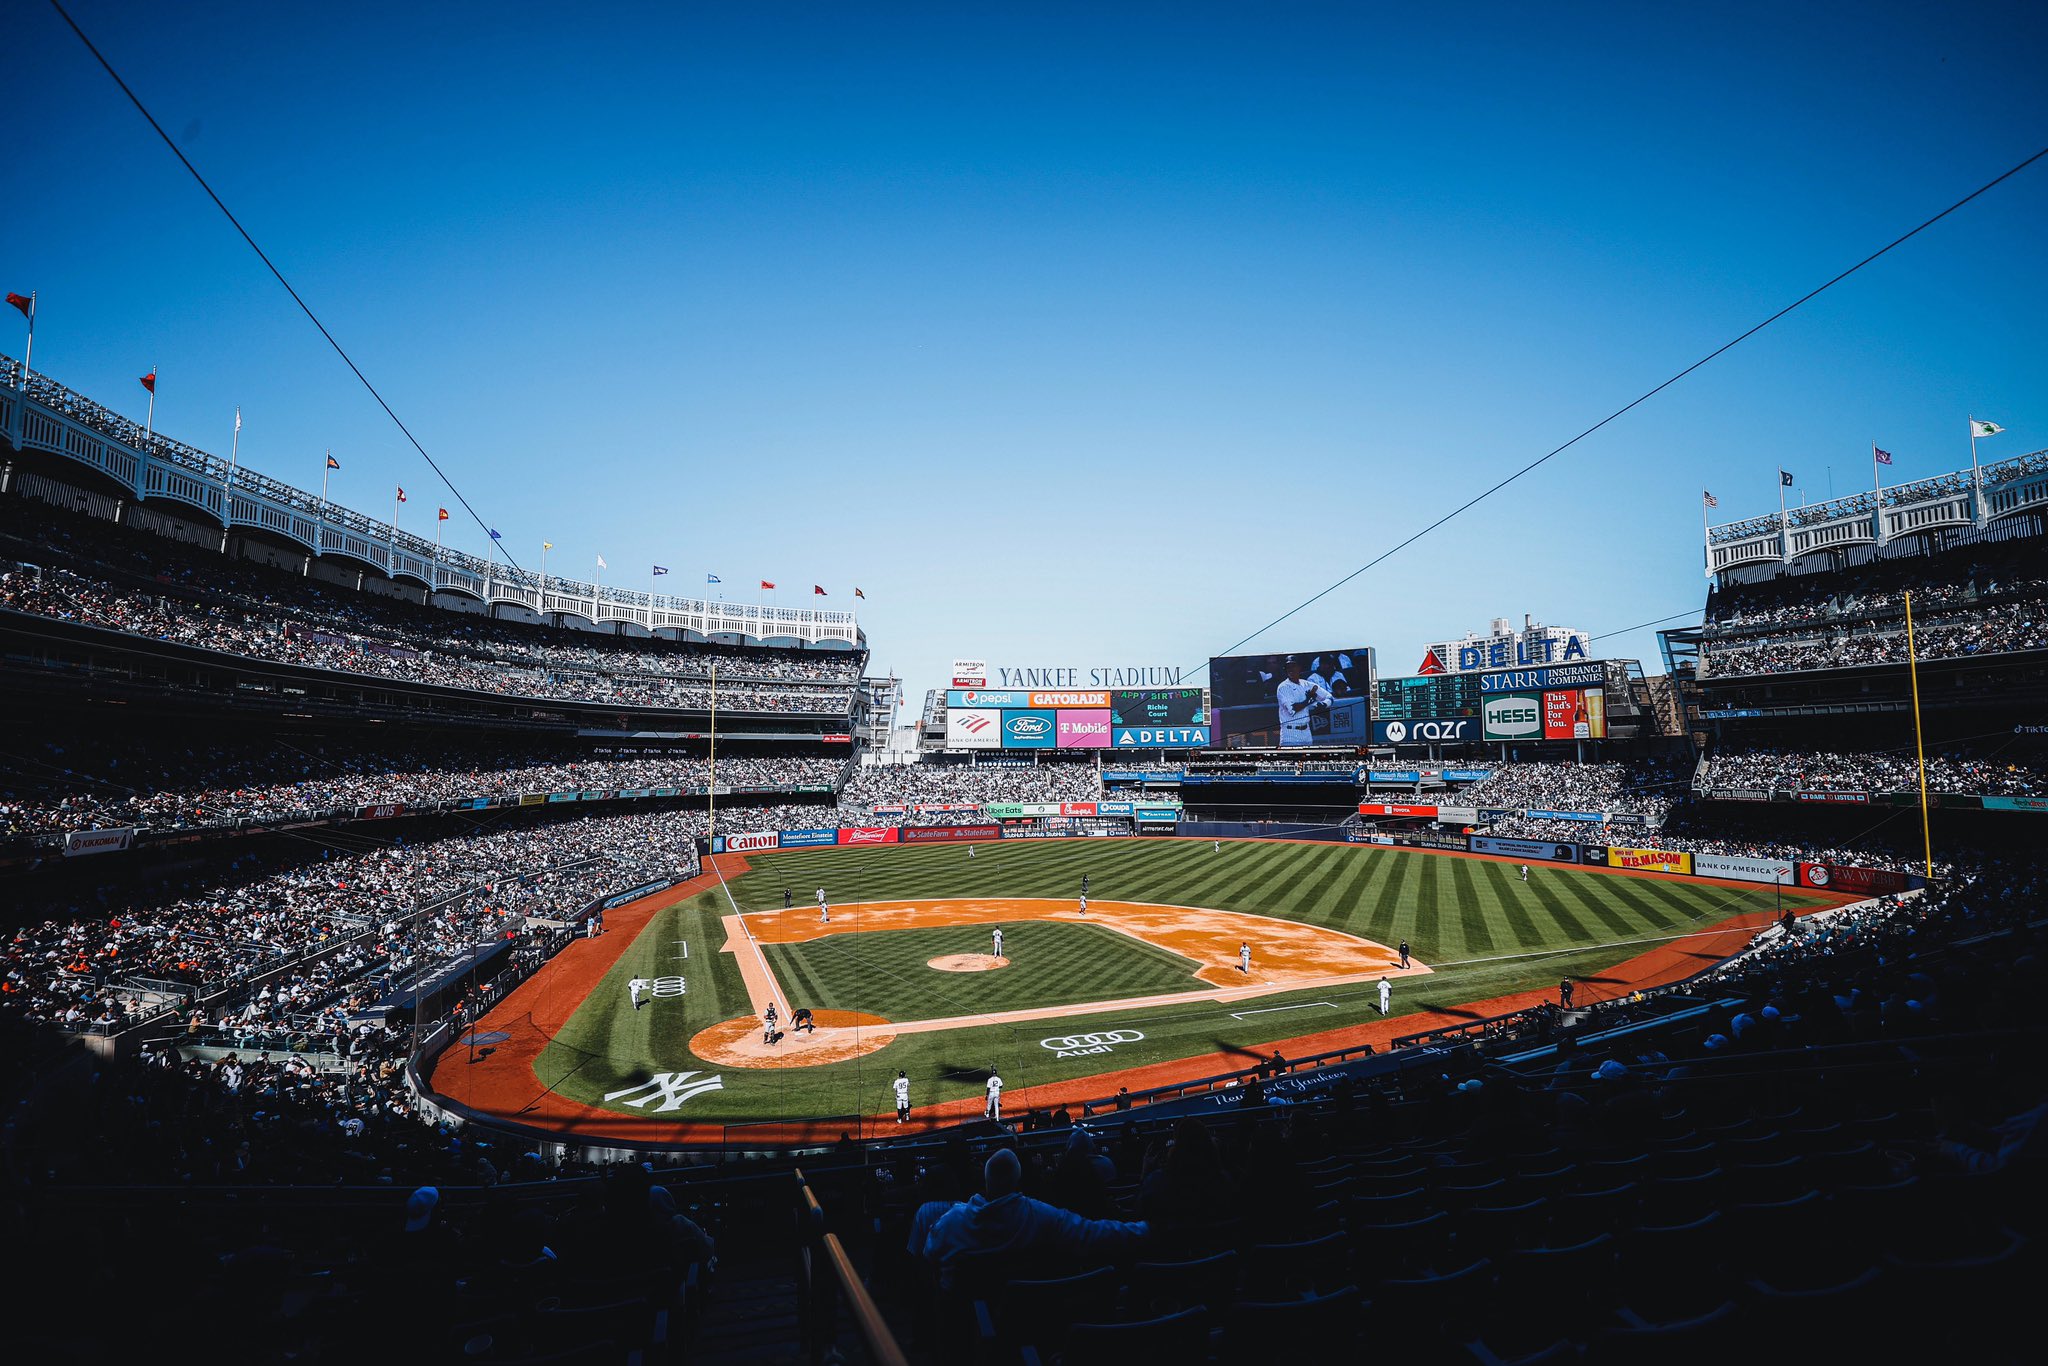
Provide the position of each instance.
(547, 545)
(443, 515)
(495, 536)
(1709, 499)
(713, 578)
(857, 593)
(20, 301)
(149, 381)
(601, 564)
(1784, 479)
(1882, 457)
(332, 463)
(401, 493)
(238, 427)
(767, 583)
(819, 591)
(659, 570)
(1977, 427)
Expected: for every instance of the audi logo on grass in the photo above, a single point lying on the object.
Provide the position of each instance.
(1082, 1045)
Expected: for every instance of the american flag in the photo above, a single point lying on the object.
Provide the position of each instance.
(1710, 499)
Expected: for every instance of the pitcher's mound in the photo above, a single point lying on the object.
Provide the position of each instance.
(968, 962)
(840, 1035)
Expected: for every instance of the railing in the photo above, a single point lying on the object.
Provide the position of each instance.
(38, 413)
(827, 1276)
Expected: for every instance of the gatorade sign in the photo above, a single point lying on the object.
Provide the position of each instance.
(1513, 716)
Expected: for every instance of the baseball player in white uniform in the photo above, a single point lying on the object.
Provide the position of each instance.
(1297, 696)
(995, 1096)
(824, 911)
(1244, 958)
(1525, 872)
(1386, 995)
(634, 988)
(1084, 903)
(902, 1085)
(999, 942)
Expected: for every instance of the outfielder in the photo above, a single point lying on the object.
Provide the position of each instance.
(995, 1096)
(999, 942)
(902, 1084)
(634, 988)
(1525, 872)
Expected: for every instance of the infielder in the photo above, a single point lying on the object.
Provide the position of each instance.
(768, 1024)
(824, 911)
(995, 1096)
(1386, 995)
(902, 1084)
(1244, 958)
(1084, 903)
(999, 943)
(634, 988)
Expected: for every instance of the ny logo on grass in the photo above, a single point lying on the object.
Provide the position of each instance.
(670, 1088)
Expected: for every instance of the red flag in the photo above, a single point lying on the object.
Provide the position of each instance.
(401, 493)
(767, 583)
(149, 381)
(443, 517)
(20, 301)
(819, 591)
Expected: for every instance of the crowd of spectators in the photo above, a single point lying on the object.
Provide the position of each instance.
(1643, 787)
(47, 787)
(933, 783)
(269, 942)
(1787, 770)
(1976, 600)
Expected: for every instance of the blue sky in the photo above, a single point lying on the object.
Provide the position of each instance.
(1072, 334)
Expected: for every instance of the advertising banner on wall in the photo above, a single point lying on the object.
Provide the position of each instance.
(988, 697)
(1454, 731)
(1078, 809)
(2016, 803)
(948, 834)
(1086, 728)
(867, 834)
(1780, 871)
(1543, 849)
(1395, 809)
(1575, 714)
(753, 839)
(108, 841)
(807, 839)
(1458, 815)
(1513, 716)
(1834, 798)
(970, 673)
(974, 728)
(1113, 808)
(1393, 775)
(1588, 674)
(1093, 698)
(1655, 860)
(1028, 729)
(1834, 877)
(1467, 775)
(1158, 814)
(1544, 814)
(1160, 737)
(1157, 707)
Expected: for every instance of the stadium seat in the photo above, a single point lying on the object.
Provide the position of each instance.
(1176, 1337)
(1720, 1334)
(1165, 1287)
(1256, 1330)
(1273, 1270)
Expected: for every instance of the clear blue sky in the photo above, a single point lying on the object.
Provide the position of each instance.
(1069, 333)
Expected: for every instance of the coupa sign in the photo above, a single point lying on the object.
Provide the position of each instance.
(1084, 1045)
(1515, 716)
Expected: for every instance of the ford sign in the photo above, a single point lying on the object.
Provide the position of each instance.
(1028, 727)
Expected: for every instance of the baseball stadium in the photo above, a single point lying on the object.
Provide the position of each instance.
(1046, 857)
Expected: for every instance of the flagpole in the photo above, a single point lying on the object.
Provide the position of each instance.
(711, 787)
(325, 471)
(1919, 749)
(234, 450)
(28, 357)
(149, 423)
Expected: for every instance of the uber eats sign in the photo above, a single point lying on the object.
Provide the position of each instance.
(1514, 716)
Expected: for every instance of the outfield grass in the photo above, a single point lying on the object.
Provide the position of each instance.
(1473, 921)
(1051, 963)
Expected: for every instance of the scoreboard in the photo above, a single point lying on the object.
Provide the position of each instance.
(1433, 697)
(1159, 707)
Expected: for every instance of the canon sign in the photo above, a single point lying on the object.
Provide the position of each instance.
(1513, 717)
(758, 839)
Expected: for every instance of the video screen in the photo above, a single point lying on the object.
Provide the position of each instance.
(1157, 707)
(1292, 700)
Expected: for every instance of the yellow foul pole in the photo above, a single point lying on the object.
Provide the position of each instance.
(711, 788)
(1919, 749)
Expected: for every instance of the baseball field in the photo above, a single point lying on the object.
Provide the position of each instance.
(1149, 986)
